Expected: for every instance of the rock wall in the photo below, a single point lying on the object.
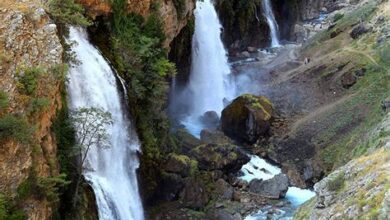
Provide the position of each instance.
(28, 38)
(173, 13)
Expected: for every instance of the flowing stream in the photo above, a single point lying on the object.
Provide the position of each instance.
(112, 171)
(210, 80)
(273, 25)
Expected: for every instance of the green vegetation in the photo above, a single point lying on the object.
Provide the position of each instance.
(15, 128)
(337, 17)
(67, 12)
(337, 182)
(42, 187)
(38, 105)
(137, 53)
(8, 211)
(28, 80)
(3, 100)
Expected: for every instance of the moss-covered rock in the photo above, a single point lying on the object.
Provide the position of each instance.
(225, 157)
(180, 164)
(247, 118)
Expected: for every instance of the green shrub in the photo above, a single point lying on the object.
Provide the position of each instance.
(3, 100)
(7, 212)
(68, 12)
(60, 71)
(337, 182)
(16, 128)
(29, 80)
(337, 17)
(38, 105)
(3, 207)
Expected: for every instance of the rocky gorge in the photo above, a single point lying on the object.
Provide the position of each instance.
(310, 113)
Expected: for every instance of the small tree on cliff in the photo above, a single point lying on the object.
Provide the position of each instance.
(90, 125)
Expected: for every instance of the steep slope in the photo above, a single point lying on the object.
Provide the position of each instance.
(31, 73)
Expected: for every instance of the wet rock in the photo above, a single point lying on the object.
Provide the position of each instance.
(247, 118)
(223, 214)
(214, 137)
(252, 49)
(348, 80)
(385, 105)
(274, 188)
(210, 119)
(171, 186)
(358, 31)
(226, 157)
(194, 194)
(245, 54)
(224, 190)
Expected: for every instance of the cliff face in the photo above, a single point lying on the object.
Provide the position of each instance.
(28, 39)
(174, 14)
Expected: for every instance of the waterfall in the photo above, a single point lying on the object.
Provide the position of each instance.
(273, 25)
(210, 81)
(112, 171)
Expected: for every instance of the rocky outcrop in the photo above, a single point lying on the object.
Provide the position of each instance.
(225, 157)
(247, 118)
(274, 188)
(243, 24)
(360, 188)
(174, 14)
(28, 39)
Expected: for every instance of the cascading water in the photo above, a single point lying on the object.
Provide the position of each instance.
(273, 25)
(112, 171)
(210, 81)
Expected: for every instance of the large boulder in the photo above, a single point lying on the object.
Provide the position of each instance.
(210, 120)
(194, 194)
(247, 118)
(274, 188)
(180, 164)
(214, 137)
(358, 31)
(225, 157)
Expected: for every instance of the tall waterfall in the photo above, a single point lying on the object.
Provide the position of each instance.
(112, 171)
(273, 25)
(210, 79)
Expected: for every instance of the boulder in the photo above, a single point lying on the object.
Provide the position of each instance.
(225, 157)
(179, 164)
(348, 80)
(186, 141)
(358, 31)
(224, 190)
(194, 194)
(214, 137)
(247, 118)
(274, 188)
(170, 186)
(210, 119)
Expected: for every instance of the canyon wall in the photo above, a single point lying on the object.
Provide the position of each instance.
(29, 43)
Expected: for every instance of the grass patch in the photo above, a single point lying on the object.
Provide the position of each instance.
(337, 183)
(16, 128)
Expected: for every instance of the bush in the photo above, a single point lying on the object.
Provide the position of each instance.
(337, 182)
(7, 212)
(29, 80)
(337, 17)
(3, 100)
(68, 12)
(16, 128)
(38, 105)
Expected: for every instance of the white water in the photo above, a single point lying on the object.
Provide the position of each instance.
(273, 25)
(112, 171)
(210, 79)
(258, 168)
